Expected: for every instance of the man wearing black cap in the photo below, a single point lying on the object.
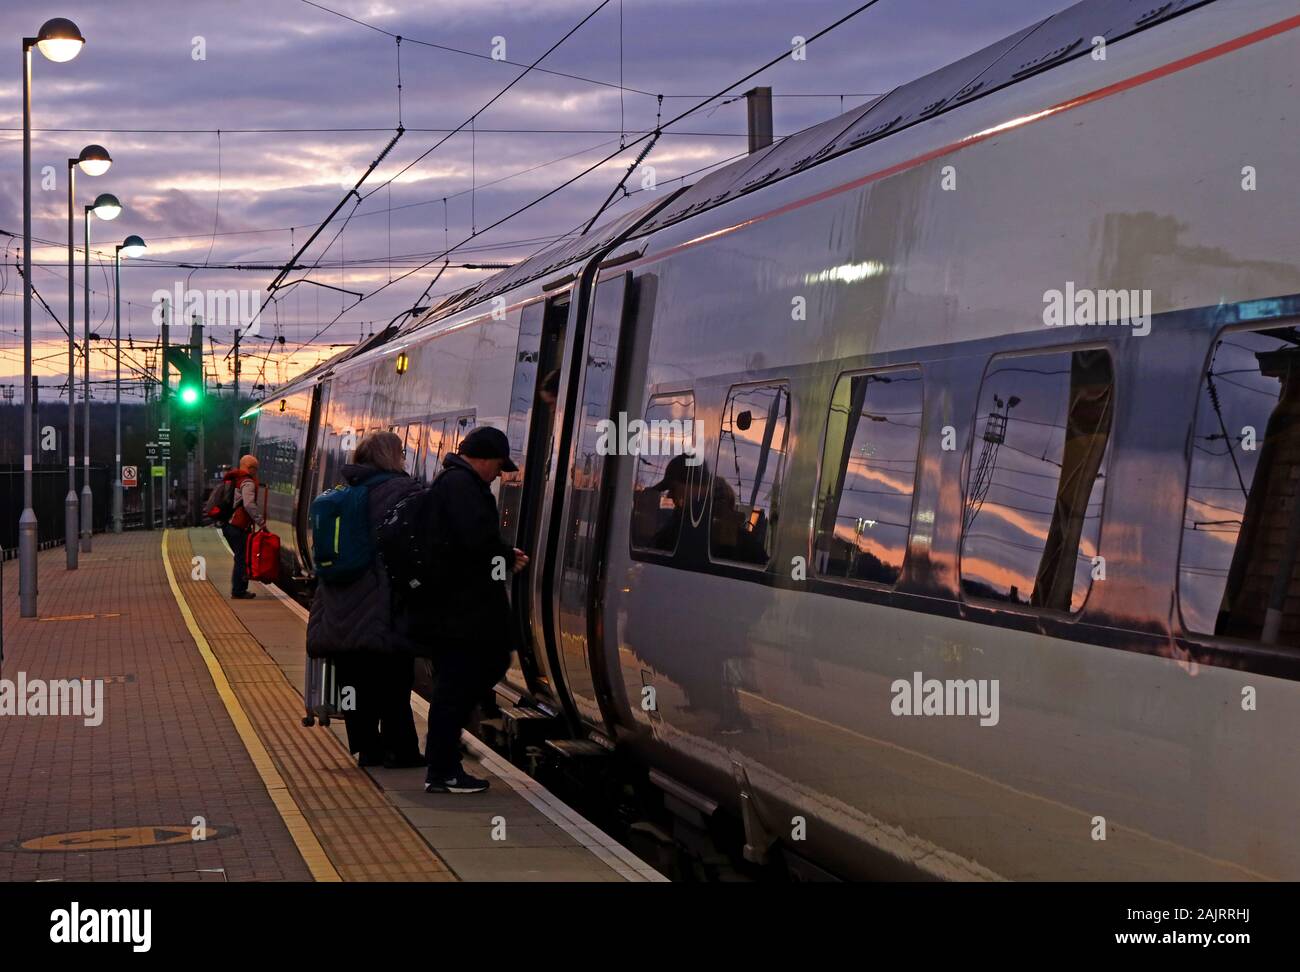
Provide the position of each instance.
(475, 636)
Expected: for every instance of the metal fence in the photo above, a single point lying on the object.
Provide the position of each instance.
(49, 489)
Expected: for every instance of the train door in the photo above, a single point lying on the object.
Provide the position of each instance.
(531, 430)
(310, 473)
(577, 561)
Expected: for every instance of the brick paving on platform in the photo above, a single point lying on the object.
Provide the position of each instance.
(165, 753)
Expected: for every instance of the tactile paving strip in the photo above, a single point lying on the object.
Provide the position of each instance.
(364, 836)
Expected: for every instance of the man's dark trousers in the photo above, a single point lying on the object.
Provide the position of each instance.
(463, 674)
(238, 540)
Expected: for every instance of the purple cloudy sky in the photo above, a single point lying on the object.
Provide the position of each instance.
(285, 64)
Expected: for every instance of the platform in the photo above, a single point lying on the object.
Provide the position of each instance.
(201, 770)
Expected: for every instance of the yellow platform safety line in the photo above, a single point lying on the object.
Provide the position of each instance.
(299, 829)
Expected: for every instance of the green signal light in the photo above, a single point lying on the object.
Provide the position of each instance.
(189, 395)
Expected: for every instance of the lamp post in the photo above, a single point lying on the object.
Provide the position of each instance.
(94, 160)
(106, 207)
(59, 40)
(132, 246)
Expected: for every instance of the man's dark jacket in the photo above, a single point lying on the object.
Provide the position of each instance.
(358, 617)
(472, 609)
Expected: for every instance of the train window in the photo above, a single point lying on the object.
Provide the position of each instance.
(1031, 519)
(411, 449)
(665, 474)
(1241, 522)
(751, 455)
(434, 448)
(868, 475)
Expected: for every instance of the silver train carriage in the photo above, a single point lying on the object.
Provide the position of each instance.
(981, 559)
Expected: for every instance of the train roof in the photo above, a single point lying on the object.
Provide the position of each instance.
(1053, 41)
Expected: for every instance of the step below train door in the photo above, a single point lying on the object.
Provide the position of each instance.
(531, 430)
(576, 565)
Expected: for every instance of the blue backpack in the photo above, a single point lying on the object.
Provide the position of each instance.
(342, 542)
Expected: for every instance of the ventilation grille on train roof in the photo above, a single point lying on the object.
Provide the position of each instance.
(1039, 47)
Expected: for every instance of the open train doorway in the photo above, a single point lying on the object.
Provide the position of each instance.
(532, 430)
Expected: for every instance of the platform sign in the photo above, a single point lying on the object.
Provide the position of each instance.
(129, 477)
(151, 452)
(158, 472)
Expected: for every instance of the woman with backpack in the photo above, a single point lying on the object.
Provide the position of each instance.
(351, 620)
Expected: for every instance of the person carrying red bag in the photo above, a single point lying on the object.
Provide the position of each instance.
(245, 518)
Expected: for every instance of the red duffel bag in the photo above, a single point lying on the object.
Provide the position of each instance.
(262, 557)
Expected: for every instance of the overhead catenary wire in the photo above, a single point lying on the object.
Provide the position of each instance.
(559, 74)
(399, 81)
(621, 182)
(486, 57)
(491, 101)
(613, 155)
(780, 57)
(546, 195)
(424, 202)
(157, 263)
(370, 130)
(354, 191)
(216, 215)
(421, 157)
(469, 121)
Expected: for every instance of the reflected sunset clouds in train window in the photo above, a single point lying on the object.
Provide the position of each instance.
(868, 475)
(1031, 518)
(751, 464)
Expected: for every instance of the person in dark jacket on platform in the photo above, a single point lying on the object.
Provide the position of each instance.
(354, 624)
(475, 633)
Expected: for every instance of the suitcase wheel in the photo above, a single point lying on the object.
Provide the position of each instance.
(308, 720)
(324, 720)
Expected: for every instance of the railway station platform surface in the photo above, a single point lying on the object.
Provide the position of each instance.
(195, 766)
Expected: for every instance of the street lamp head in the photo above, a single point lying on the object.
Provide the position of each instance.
(59, 39)
(132, 246)
(94, 160)
(106, 206)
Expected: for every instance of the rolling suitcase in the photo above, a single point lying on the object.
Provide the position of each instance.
(320, 692)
